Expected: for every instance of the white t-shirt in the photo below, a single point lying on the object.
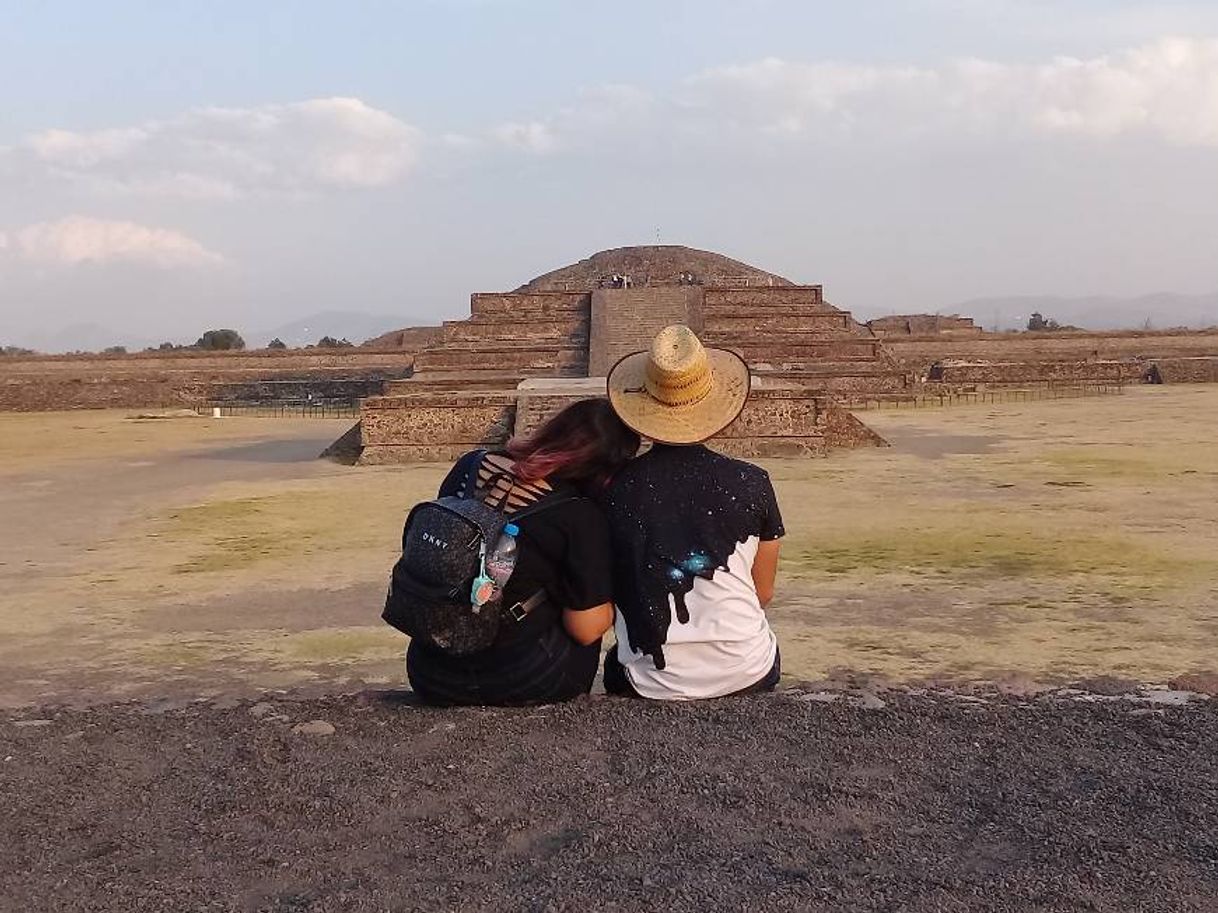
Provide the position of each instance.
(686, 524)
(727, 644)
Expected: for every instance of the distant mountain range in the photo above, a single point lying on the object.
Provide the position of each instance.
(352, 325)
(1098, 312)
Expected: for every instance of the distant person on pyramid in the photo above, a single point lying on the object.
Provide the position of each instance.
(505, 582)
(695, 534)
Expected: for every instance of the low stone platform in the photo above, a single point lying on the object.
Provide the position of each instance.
(780, 420)
(988, 373)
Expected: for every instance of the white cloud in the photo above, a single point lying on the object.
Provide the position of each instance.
(80, 239)
(225, 153)
(1167, 90)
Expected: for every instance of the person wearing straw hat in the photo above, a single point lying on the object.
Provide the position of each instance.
(695, 533)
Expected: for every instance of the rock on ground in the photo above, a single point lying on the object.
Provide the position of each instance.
(763, 803)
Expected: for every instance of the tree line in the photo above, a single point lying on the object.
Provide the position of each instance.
(218, 340)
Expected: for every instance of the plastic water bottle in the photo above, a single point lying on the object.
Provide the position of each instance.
(502, 559)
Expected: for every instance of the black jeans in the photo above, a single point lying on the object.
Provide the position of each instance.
(617, 682)
(546, 670)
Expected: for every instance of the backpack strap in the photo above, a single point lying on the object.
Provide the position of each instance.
(520, 611)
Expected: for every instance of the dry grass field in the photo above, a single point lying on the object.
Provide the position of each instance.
(1053, 540)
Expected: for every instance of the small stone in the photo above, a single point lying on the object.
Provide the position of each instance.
(870, 701)
(818, 697)
(314, 727)
(1170, 698)
(226, 703)
(261, 709)
(1109, 685)
(1020, 686)
(32, 724)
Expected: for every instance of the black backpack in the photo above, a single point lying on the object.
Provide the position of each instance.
(444, 544)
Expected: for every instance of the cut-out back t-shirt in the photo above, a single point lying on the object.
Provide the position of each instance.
(563, 550)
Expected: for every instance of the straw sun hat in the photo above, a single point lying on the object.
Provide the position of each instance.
(679, 392)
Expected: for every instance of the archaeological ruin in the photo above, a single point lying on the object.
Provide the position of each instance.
(429, 393)
(522, 355)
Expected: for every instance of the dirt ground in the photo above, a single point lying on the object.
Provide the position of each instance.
(914, 803)
(1051, 540)
(189, 617)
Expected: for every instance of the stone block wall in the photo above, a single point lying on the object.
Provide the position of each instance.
(1195, 370)
(427, 427)
(513, 305)
(183, 379)
(1010, 373)
(917, 354)
(924, 325)
(776, 421)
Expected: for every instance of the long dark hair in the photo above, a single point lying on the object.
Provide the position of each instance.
(585, 443)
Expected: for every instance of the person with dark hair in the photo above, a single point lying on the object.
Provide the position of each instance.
(695, 534)
(544, 651)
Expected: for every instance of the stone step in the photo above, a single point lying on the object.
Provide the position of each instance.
(495, 346)
(784, 340)
(780, 297)
(454, 381)
(742, 320)
(570, 332)
(823, 367)
(531, 305)
(845, 349)
(480, 378)
(526, 359)
(843, 381)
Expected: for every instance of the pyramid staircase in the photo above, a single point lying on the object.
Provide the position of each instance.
(792, 334)
(506, 338)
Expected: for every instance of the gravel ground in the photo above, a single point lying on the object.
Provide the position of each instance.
(783, 802)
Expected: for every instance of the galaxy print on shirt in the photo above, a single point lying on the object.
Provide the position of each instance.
(677, 514)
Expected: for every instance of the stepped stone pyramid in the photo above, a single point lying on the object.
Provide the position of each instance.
(522, 355)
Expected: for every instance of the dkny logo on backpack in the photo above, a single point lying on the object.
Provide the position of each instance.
(432, 540)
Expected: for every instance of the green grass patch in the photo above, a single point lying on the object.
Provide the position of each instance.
(237, 533)
(1106, 463)
(343, 645)
(1007, 553)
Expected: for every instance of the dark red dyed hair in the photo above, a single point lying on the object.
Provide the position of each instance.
(585, 443)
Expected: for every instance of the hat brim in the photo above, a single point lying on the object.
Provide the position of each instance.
(692, 424)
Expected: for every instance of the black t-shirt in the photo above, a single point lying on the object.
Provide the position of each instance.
(675, 514)
(563, 549)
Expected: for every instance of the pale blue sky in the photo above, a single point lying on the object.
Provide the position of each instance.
(165, 165)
